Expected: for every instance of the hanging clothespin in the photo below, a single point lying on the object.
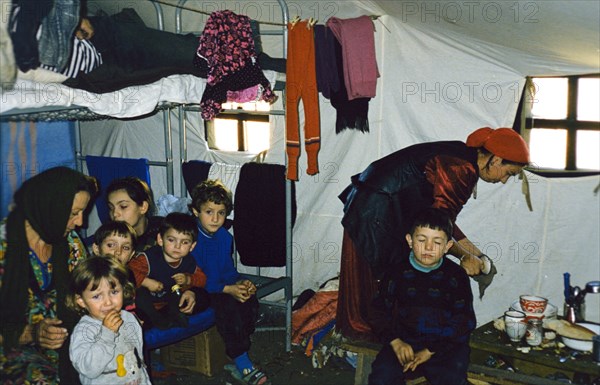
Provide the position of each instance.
(377, 17)
(311, 23)
(294, 21)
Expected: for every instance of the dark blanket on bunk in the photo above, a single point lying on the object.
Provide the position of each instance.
(134, 54)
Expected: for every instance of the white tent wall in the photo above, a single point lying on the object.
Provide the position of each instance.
(435, 84)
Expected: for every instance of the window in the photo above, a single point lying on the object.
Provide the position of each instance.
(564, 124)
(240, 127)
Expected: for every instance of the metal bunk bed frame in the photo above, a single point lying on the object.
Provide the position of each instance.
(266, 285)
(77, 114)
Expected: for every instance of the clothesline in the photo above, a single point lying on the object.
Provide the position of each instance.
(187, 8)
(373, 17)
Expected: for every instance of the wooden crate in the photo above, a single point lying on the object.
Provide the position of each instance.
(203, 353)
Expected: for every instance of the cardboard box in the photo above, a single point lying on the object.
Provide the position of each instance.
(203, 353)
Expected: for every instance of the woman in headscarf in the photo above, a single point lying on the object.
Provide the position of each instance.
(38, 249)
(382, 201)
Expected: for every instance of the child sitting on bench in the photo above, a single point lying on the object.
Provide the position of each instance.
(165, 273)
(115, 239)
(231, 296)
(423, 313)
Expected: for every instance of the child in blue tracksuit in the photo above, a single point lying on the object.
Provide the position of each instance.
(423, 313)
(231, 296)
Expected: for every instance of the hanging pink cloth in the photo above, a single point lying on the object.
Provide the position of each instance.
(356, 36)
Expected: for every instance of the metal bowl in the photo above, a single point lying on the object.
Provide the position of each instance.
(582, 345)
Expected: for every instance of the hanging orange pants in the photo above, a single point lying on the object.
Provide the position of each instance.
(301, 83)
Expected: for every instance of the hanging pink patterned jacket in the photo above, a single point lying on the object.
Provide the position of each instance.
(226, 43)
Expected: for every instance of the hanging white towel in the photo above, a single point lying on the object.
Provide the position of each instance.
(229, 174)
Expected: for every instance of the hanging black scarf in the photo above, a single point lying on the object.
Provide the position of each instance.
(45, 201)
(351, 114)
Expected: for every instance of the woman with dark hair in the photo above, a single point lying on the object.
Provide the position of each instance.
(38, 249)
(130, 200)
(383, 200)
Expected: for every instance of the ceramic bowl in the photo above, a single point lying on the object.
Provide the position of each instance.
(551, 311)
(582, 345)
(533, 303)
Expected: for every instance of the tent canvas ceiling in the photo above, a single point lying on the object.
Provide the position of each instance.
(441, 78)
(535, 37)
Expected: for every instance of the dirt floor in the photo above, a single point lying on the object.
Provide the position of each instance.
(268, 352)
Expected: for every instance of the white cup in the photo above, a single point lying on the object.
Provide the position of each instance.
(514, 322)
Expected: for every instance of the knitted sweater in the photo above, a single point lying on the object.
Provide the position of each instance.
(213, 255)
(432, 310)
(152, 264)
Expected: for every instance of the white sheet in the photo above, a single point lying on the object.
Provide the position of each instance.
(125, 103)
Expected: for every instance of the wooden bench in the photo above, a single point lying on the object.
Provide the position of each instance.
(366, 352)
(477, 375)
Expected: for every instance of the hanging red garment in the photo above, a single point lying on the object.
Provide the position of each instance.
(357, 288)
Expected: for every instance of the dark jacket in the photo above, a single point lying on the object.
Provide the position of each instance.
(381, 202)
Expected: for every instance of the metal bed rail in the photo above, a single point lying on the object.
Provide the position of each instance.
(268, 285)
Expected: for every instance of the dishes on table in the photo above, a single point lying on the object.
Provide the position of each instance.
(579, 344)
(551, 311)
(515, 325)
(533, 303)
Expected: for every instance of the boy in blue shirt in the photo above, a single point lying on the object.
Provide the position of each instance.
(423, 313)
(231, 296)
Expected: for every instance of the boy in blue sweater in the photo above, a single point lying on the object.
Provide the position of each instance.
(231, 296)
(423, 313)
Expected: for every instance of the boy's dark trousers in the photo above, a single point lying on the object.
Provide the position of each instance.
(235, 321)
(170, 315)
(441, 369)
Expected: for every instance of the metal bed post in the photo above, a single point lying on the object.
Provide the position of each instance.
(288, 287)
(166, 117)
(78, 146)
(183, 148)
(169, 151)
(159, 15)
(181, 112)
(288, 206)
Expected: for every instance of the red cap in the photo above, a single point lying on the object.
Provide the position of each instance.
(503, 142)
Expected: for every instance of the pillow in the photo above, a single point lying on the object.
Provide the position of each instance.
(41, 75)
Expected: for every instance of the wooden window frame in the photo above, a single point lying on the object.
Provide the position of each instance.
(570, 124)
(241, 116)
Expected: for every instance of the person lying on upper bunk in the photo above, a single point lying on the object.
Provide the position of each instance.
(118, 51)
(232, 297)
